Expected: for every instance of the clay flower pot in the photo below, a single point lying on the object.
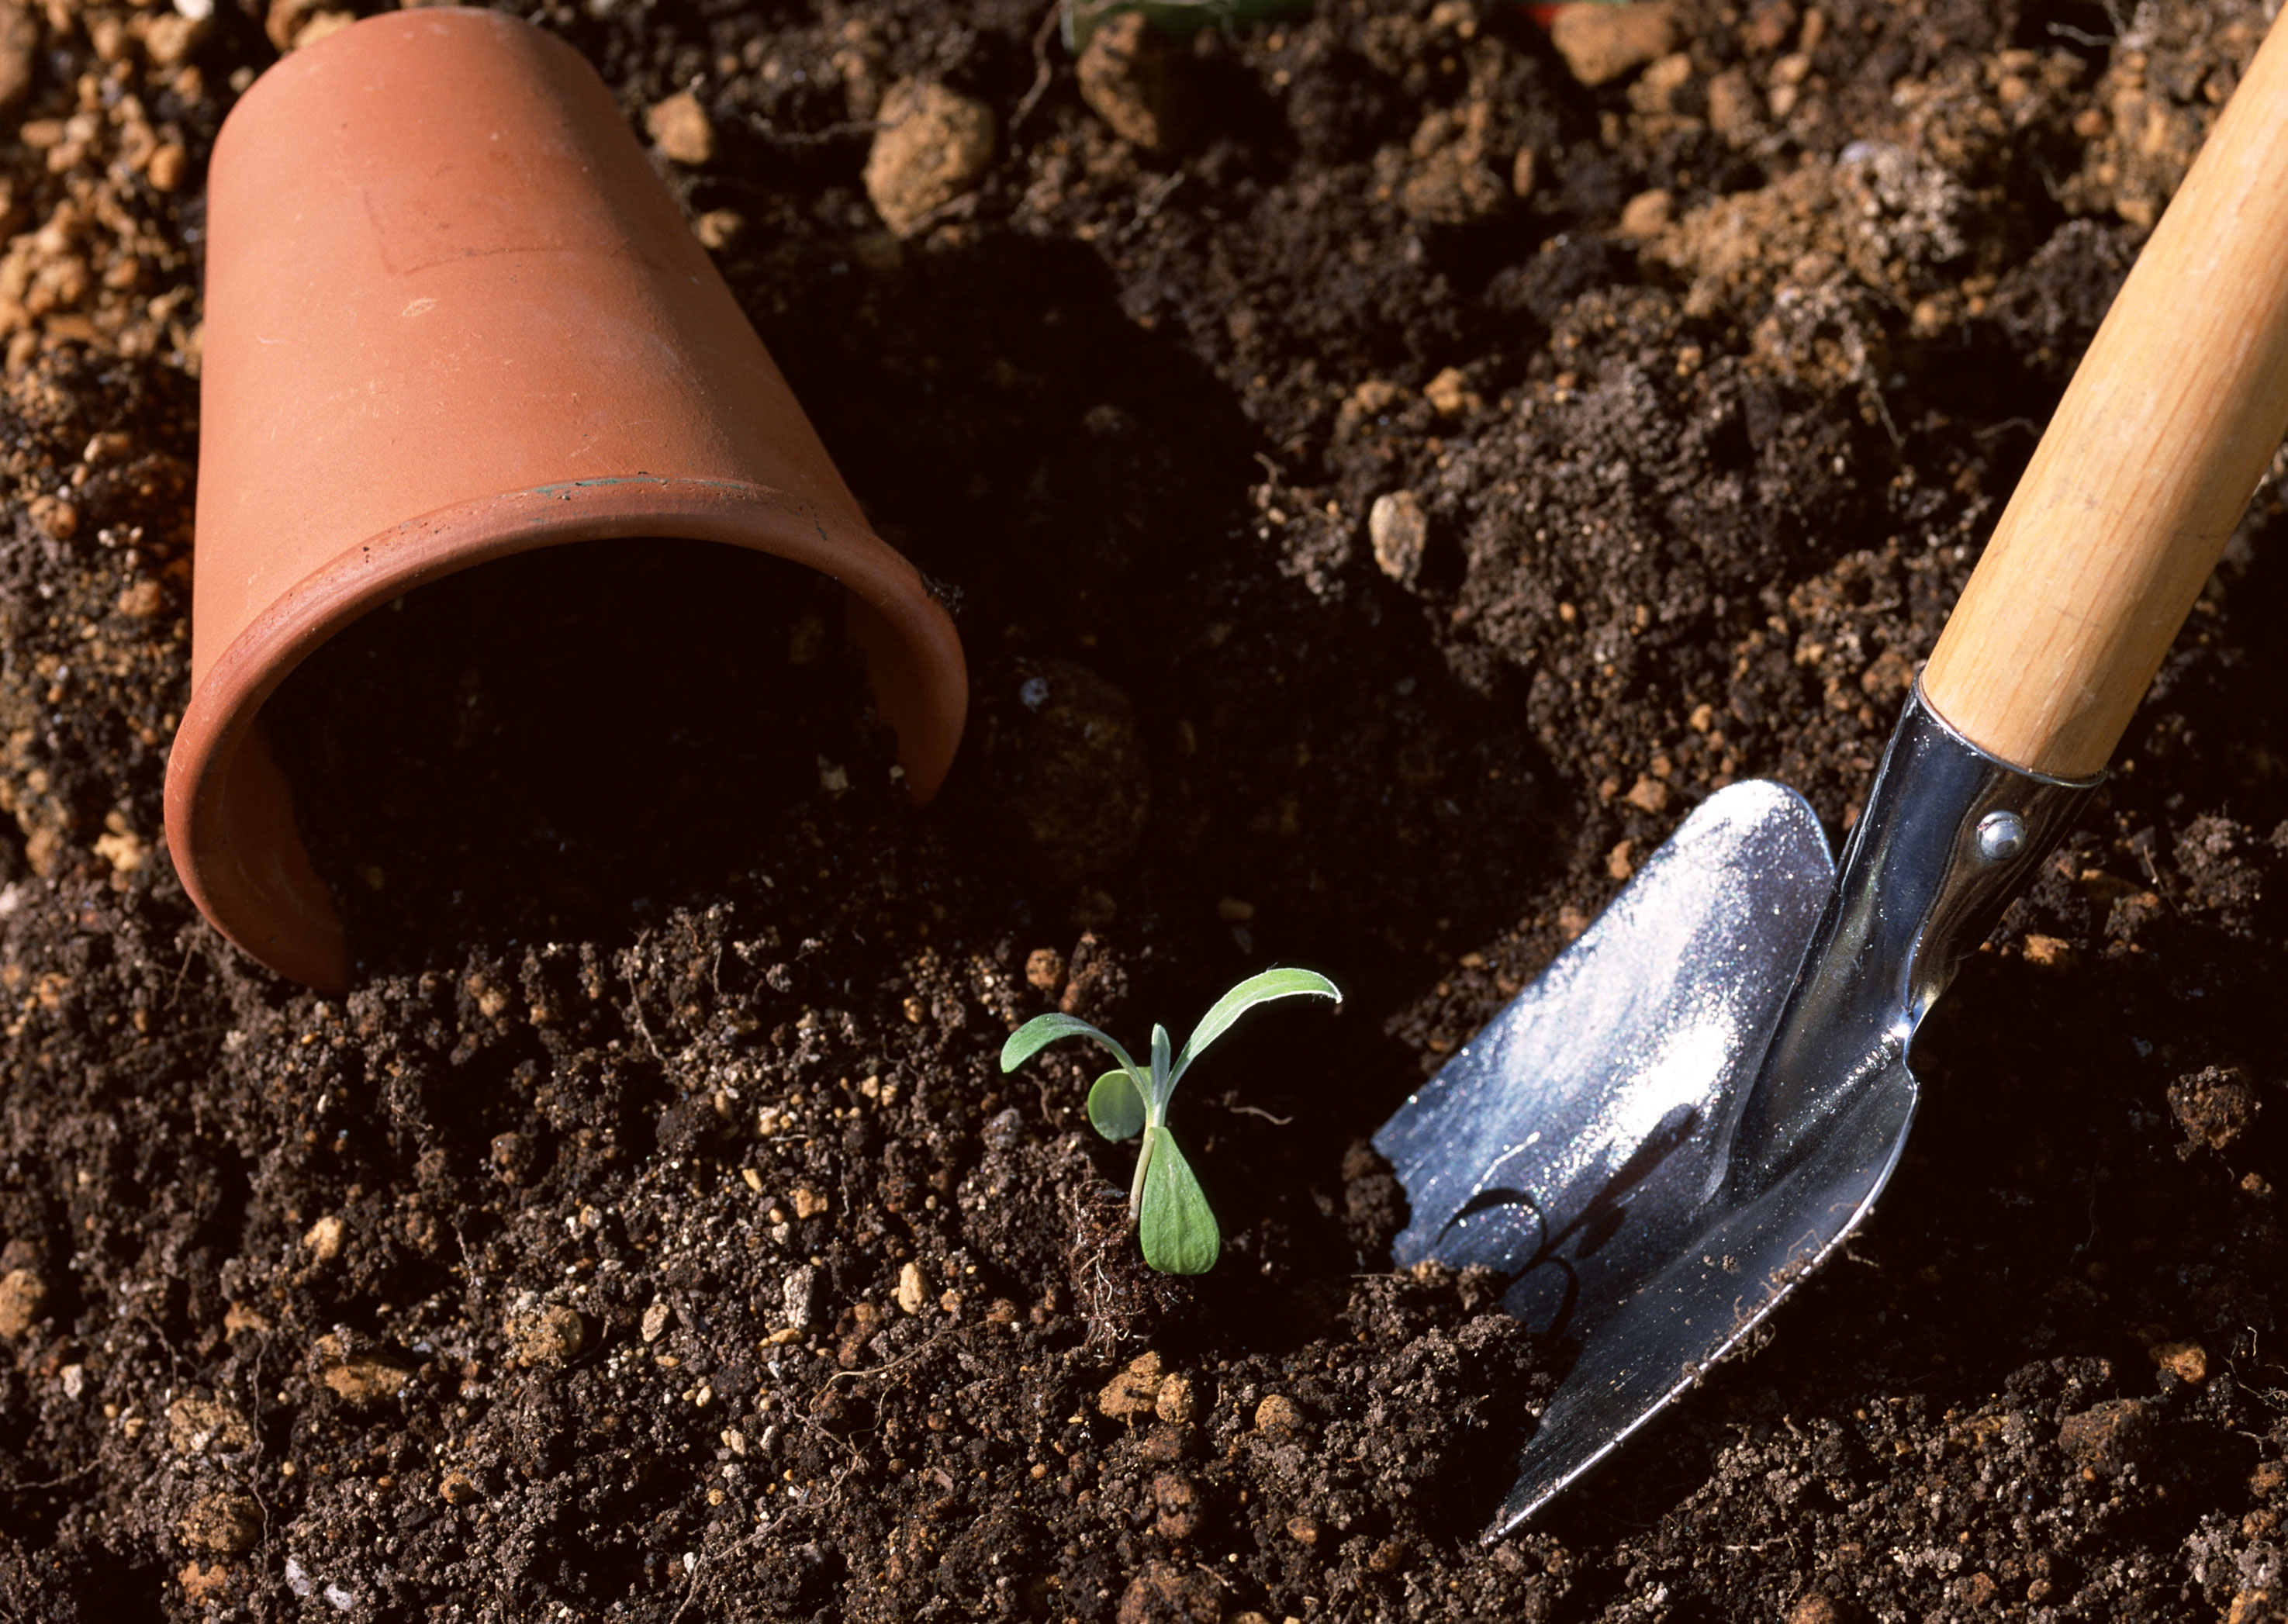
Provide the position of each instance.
(451, 315)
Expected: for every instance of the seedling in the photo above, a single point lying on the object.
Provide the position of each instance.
(1165, 1202)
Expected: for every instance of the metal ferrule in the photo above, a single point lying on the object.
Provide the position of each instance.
(1948, 836)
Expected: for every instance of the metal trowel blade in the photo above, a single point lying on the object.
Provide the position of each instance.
(1577, 1145)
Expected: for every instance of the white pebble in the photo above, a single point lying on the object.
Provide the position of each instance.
(1398, 529)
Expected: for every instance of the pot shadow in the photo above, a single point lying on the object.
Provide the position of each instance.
(1318, 786)
(1089, 490)
(570, 741)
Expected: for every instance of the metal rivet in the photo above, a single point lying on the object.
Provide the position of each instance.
(2001, 837)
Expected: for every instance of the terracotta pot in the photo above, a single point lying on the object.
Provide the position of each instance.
(451, 315)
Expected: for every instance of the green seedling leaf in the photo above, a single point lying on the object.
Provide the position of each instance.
(1256, 989)
(1173, 1222)
(1114, 1108)
(1177, 1229)
(1043, 1030)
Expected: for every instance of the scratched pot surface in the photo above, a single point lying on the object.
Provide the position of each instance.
(1577, 1145)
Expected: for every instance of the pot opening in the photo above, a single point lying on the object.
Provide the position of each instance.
(573, 740)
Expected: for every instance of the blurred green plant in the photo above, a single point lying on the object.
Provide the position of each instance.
(1181, 18)
(1165, 1203)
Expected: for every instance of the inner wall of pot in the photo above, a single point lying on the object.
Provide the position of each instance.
(565, 740)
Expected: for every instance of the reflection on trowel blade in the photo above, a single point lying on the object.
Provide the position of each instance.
(1574, 1144)
(1703, 1096)
(1654, 1344)
(1605, 1081)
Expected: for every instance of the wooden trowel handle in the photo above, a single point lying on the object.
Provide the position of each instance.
(2153, 452)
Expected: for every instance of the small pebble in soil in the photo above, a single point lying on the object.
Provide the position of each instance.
(931, 145)
(1172, 1593)
(512, 1157)
(2214, 1106)
(1599, 41)
(1277, 1414)
(1004, 1129)
(1176, 1498)
(293, 24)
(324, 1239)
(655, 1320)
(913, 1289)
(1044, 968)
(552, 1336)
(679, 128)
(1450, 393)
(1164, 1444)
(202, 1583)
(225, 1521)
(1132, 76)
(1452, 182)
(1647, 215)
(361, 1376)
(19, 44)
(2047, 952)
(198, 1424)
(1524, 169)
(2111, 1437)
(2188, 1361)
(1399, 530)
(799, 1297)
(55, 516)
(718, 228)
(22, 1292)
(1134, 1391)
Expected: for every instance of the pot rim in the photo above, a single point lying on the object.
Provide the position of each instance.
(913, 655)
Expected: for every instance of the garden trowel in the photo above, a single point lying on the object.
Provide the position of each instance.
(1703, 1096)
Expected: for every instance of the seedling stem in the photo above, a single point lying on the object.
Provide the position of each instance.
(1165, 1204)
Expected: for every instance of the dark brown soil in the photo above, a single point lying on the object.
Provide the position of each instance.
(650, 1235)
